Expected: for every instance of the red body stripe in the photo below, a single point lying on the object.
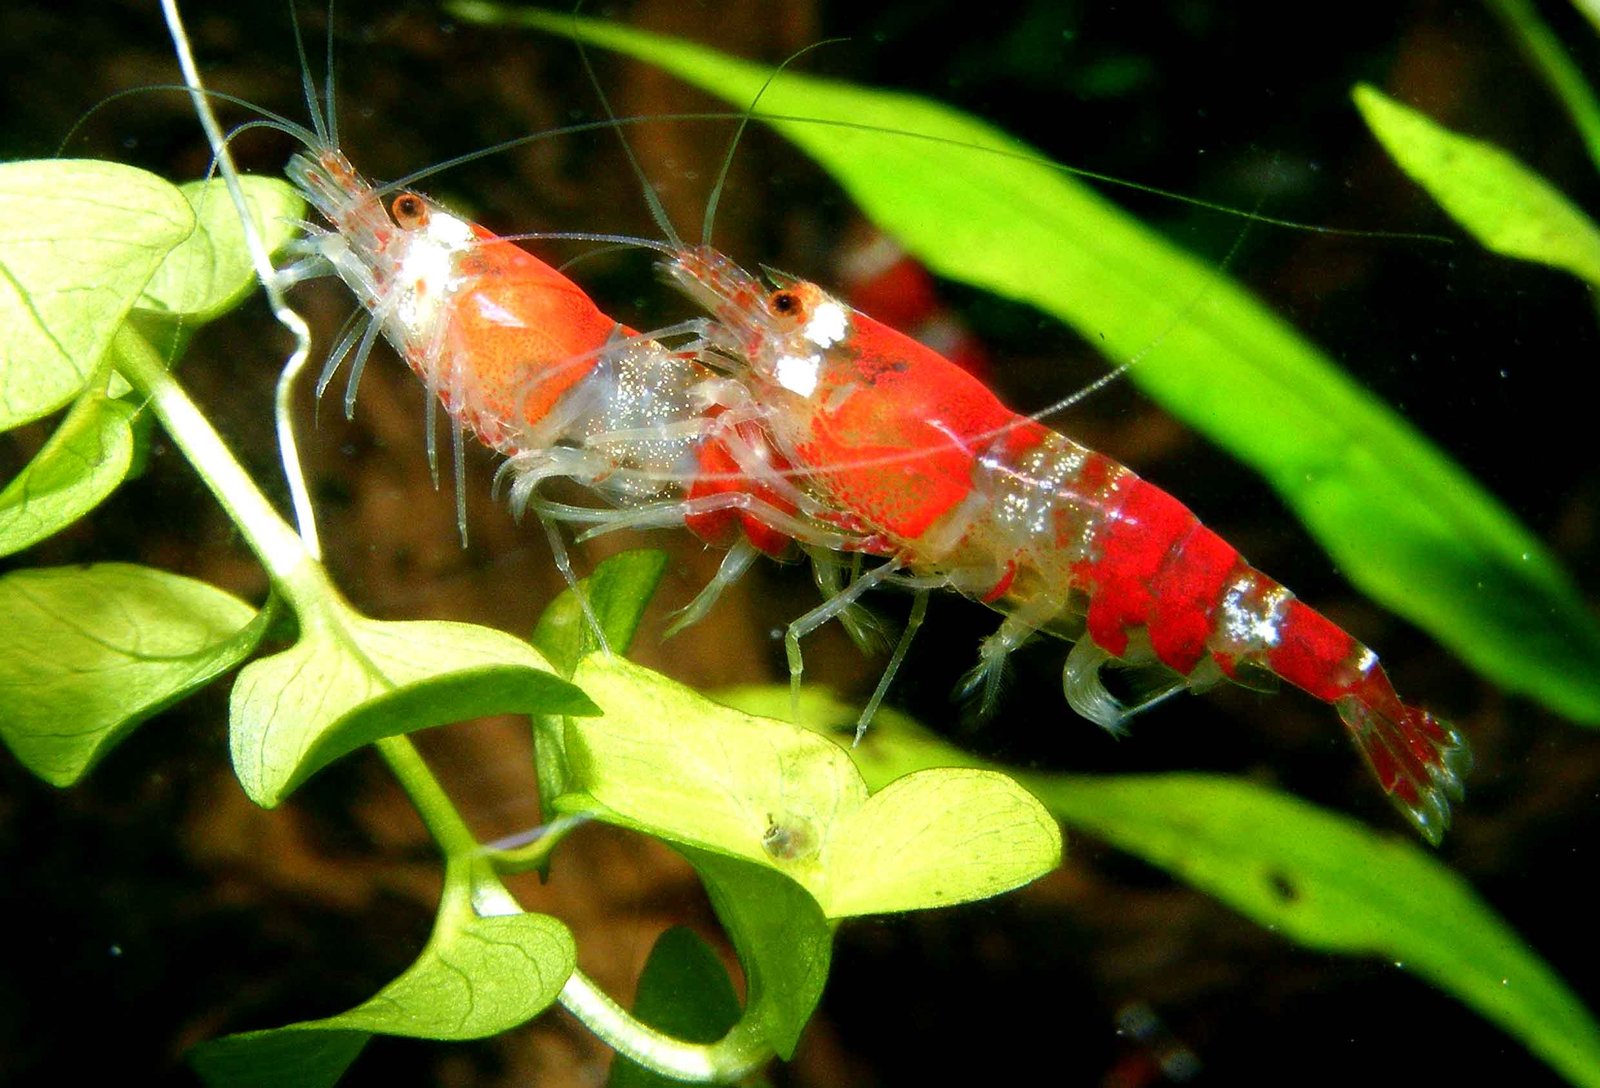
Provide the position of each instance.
(1003, 584)
(1313, 653)
(720, 474)
(1187, 591)
(1093, 475)
(1138, 539)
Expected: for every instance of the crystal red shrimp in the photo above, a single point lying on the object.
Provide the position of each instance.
(955, 490)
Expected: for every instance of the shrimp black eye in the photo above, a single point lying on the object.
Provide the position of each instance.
(409, 211)
(785, 304)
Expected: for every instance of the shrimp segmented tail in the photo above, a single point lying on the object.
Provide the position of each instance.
(954, 489)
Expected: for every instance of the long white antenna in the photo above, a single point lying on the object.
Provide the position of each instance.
(288, 448)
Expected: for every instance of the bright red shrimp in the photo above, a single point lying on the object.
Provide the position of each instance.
(845, 435)
(954, 489)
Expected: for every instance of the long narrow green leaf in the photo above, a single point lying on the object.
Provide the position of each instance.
(1317, 878)
(1553, 62)
(1505, 205)
(1405, 523)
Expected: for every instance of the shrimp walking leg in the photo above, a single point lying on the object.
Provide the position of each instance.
(1086, 692)
(919, 609)
(827, 610)
(828, 573)
(735, 562)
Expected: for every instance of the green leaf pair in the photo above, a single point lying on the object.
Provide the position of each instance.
(673, 764)
(777, 822)
(84, 243)
(1506, 206)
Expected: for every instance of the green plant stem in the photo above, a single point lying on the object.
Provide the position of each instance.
(438, 812)
(295, 574)
(1557, 68)
(742, 1051)
(304, 583)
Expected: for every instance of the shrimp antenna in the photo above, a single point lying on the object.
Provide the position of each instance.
(308, 86)
(1116, 373)
(268, 119)
(300, 494)
(738, 134)
(328, 97)
(658, 211)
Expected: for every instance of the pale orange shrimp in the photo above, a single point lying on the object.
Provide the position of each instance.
(520, 357)
(955, 490)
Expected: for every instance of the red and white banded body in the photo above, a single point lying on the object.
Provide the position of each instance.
(934, 473)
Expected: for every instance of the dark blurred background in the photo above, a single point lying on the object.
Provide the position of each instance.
(153, 906)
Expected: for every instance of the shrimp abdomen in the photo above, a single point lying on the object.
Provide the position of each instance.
(1157, 578)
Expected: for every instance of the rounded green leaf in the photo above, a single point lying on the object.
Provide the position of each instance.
(351, 680)
(785, 943)
(83, 462)
(475, 979)
(672, 763)
(78, 242)
(480, 975)
(914, 821)
(271, 1059)
(87, 653)
(618, 591)
(684, 991)
(211, 271)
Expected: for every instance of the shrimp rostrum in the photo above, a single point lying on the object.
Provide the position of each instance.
(932, 472)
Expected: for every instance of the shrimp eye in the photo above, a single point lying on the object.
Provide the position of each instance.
(786, 304)
(409, 211)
